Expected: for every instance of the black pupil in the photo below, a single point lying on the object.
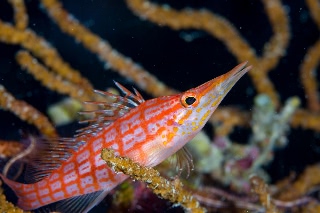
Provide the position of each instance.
(190, 100)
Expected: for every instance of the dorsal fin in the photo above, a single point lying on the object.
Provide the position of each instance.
(112, 108)
(135, 97)
(48, 155)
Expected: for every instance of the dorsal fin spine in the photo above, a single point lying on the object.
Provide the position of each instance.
(112, 108)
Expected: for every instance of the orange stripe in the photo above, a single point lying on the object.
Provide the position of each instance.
(143, 123)
(185, 117)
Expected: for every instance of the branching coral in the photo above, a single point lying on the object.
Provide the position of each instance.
(6, 206)
(172, 191)
(276, 65)
(26, 112)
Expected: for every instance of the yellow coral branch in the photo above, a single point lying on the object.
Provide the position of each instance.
(306, 120)
(6, 206)
(224, 119)
(20, 14)
(314, 7)
(308, 76)
(172, 191)
(223, 30)
(39, 47)
(259, 187)
(26, 113)
(124, 65)
(50, 80)
(306, 181)
(9, 148)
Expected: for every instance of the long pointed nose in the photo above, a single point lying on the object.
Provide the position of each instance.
(221, 85)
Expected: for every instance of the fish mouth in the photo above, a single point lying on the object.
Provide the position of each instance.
(221, 85)
(229, 79)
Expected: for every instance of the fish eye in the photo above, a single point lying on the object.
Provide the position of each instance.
(189, 99)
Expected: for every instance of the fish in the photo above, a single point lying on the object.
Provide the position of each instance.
(71, 172)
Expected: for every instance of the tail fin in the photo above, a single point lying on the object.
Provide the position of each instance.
(25, 193)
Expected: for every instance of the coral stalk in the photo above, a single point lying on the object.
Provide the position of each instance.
(172, 191)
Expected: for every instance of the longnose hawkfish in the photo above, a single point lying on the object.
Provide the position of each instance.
(72, 171)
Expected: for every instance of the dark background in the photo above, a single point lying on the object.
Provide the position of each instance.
(165, 53)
